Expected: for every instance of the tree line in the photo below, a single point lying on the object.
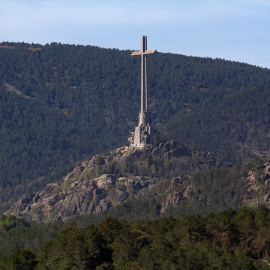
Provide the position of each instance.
(227, 240)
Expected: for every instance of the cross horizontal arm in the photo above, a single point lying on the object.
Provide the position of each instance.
(146, 52)
(150, 52)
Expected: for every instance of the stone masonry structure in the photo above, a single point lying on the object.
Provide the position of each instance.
(142, 135)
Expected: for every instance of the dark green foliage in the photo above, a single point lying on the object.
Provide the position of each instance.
(99, 161)
(20, 259)
(227, 240)
(74, 248)
(15, 233)
(8, 222)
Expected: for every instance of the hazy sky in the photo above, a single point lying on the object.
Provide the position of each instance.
(237, 30)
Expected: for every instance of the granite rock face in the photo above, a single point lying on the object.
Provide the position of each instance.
(82, 198)
(258, 185)
(81, 192)
(87, 189)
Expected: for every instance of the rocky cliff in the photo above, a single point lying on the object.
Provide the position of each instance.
(80, 198)
(258, 185)
(171, 173)
(109, 179)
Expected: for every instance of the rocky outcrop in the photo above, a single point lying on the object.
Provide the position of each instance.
(118, 155)
(174, 196)
(258, 185)
(82, 198)
(82, 193)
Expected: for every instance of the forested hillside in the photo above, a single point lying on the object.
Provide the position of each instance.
(60, 104)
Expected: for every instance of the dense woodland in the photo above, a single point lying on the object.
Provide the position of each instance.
(75, 101)
(228, 240)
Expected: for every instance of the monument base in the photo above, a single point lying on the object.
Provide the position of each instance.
(142, 135)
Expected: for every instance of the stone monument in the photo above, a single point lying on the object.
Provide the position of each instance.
(142, 135)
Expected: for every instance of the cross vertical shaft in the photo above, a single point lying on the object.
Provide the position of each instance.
(141, 136)
(143, 53)
(143, 76)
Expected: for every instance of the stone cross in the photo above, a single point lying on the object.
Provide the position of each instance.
(143, 54)
(142, 134)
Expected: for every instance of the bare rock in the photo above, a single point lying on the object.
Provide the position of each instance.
(81, 198)
(105, 181)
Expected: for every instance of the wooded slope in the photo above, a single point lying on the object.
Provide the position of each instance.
(75, 101)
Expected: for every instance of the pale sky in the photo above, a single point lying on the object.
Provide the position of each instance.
(237, 30)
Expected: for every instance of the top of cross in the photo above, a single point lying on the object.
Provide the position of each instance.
(144, 48)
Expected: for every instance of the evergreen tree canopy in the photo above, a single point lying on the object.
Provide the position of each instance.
(60, 104)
